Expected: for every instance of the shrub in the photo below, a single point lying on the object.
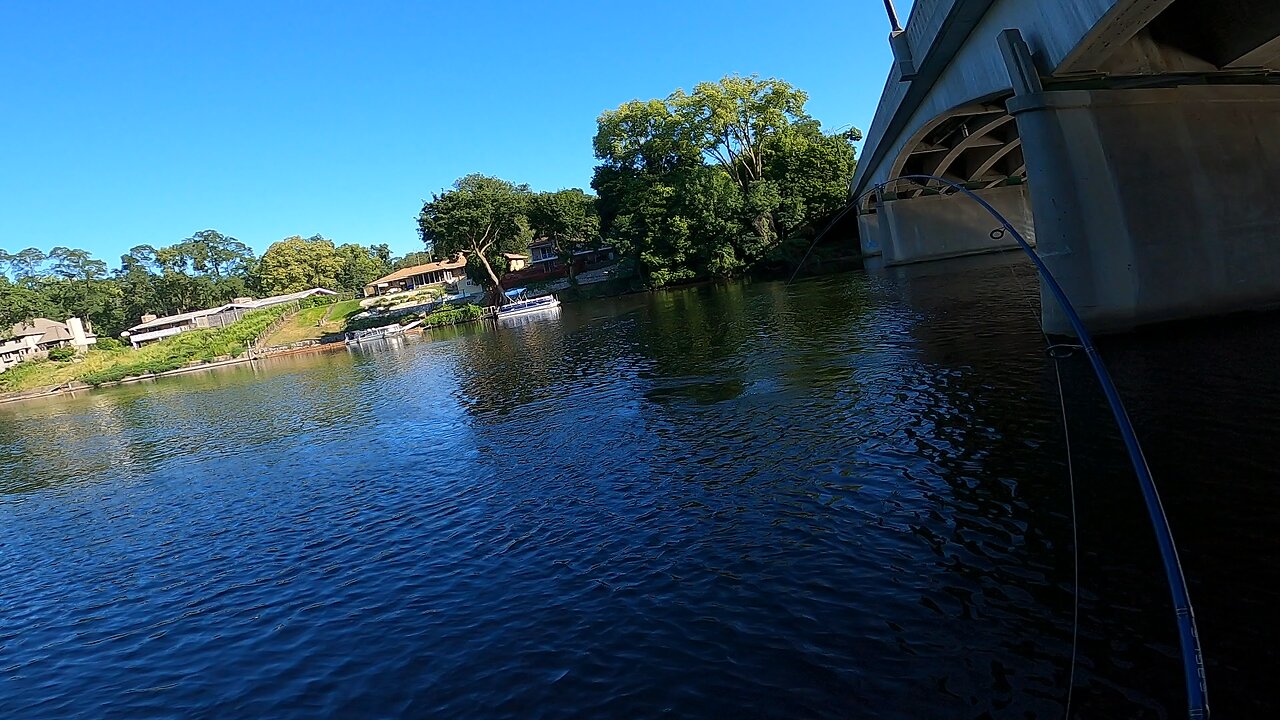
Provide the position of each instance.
(108, 344)
(62, 354)
(453, 315)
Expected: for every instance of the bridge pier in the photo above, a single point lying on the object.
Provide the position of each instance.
(936, 227)
(1155, 204)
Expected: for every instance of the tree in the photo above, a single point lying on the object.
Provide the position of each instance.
(80, 288)
(295, 264)
(25, 264)
(732, 120)
(361, 266)
(813, 172)
(710, 183)
(212, 253)
(644, 136)
(382, 252)
(137, 284)
(482, 217)
(20, 304)
(569, 218)
(421, 257)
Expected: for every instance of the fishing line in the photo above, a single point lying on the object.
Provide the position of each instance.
(1188, 634)
(1052, 351)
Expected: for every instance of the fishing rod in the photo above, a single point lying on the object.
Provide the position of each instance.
(1188, 635)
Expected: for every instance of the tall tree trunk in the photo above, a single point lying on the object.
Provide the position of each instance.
(499, 299)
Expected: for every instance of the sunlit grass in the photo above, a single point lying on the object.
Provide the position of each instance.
(313, 324)
(100, 366)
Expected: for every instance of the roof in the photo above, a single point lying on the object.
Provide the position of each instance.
(404, 273)
(45, 331)
(249, 304)
(38, 326)
(181, 317)
(278, 299)
(515, 256)
(56, 333)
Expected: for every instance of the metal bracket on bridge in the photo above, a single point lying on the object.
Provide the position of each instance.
(1022, 68)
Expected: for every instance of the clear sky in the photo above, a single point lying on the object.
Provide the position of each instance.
(132, 122)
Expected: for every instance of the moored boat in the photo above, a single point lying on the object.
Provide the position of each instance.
(381, 333)
(522, 305)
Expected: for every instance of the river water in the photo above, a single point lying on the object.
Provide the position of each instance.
(844, 498)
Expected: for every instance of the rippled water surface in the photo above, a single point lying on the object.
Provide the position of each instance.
(843, 498)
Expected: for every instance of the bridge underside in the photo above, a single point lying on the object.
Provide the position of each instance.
(1143, 162)
(908, 221)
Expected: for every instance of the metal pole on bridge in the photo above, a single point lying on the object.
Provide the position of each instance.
(893, 15)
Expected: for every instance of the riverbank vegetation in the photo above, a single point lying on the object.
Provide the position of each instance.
(202, 271)
(732, 178)
(715, 183)
(313, 323)
(100, 366)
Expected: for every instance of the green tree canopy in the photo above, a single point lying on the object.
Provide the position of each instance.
(296, 263)
(482, 217)
(360, 266)
(568, 217)
(422, 257)
(25, 264)
(19, 304)
(710, 183)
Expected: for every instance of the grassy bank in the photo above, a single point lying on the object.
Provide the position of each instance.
(313, 324)
(102, 366)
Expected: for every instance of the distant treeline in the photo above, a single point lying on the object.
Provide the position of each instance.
(204, 270)
(731, 178)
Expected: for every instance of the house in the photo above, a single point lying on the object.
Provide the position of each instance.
(35, 339)
(546, 261)
(154, 328)
(515, 261)
(543, 253)
(417, 276)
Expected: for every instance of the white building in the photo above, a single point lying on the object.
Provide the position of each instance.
(154, 328)
(34, 340)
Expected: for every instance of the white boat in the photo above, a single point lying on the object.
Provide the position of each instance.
(381, 333)
(525, 306)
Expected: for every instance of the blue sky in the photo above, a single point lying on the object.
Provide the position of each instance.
(131, 122)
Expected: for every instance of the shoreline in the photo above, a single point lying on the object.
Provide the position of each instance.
(76, 386)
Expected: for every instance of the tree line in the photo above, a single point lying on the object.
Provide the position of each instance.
(202, 271)
(731, 178)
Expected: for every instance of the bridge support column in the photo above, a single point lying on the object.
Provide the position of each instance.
(1155, 204)
(935, 227)
(870, 233)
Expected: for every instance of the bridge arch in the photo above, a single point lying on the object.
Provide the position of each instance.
(977, 145)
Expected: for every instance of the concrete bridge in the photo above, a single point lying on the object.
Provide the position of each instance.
(1137, 141)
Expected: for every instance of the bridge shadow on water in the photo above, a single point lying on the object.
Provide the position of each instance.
(1205, 399)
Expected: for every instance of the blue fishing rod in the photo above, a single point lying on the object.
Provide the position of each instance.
(1188, 636)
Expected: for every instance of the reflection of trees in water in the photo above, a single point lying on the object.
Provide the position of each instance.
(502, 368)
(706, 344)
